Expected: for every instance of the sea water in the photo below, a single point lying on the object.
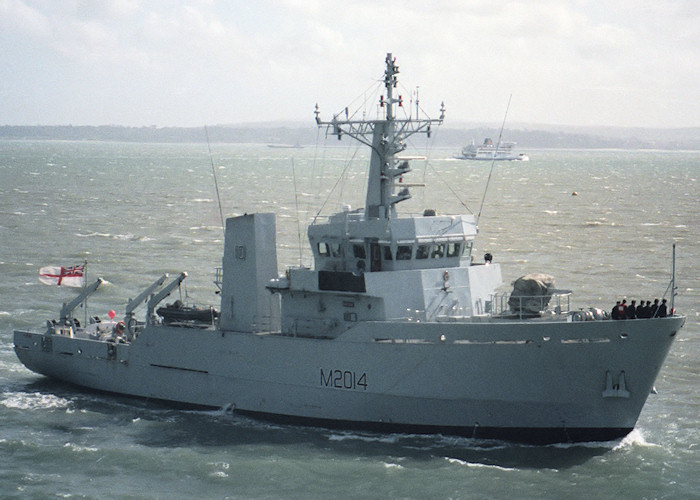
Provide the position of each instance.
(601, 222)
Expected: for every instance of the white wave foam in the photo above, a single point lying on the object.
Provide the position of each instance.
(77, 448)
(392, 466)
(89, 235)
(379, 438)
(124, 237)
(586, 444)
(634, 438)
(30, 401)
(478, 465)
(467, 442)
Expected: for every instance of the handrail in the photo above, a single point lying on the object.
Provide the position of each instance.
(529, 305)
(557, 303)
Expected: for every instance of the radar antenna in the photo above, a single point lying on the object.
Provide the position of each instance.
(386, 138)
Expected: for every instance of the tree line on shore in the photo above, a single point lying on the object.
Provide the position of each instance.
(526, 138)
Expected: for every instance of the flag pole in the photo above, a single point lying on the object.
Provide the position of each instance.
(85, 276)
(673, 279)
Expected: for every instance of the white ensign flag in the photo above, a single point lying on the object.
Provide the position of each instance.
(66, 276)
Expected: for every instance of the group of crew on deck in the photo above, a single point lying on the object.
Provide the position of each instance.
(641, 311)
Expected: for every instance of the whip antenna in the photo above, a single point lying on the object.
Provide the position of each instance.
(493, 161)
(216, 184)
(296, 203)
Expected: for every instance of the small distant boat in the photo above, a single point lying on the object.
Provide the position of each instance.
(489, 151)
(286, 146)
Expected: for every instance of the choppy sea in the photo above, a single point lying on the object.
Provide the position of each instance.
(601, 222)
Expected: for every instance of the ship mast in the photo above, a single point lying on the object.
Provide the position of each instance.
(388, 138)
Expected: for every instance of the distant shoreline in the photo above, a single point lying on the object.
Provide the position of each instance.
(527, 137)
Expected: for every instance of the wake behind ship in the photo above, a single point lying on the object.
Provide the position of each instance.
(394, 329)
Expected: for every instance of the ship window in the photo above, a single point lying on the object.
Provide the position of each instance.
(423, 251)
(453, 249)
(386, 252)
(323, 249)
(438, 251)
(336, 250)
(359, 251)
(404, 252)
(467, 249)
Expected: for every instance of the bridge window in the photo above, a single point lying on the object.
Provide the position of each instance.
(453, 249)
(323, 249)
(336, 250)
(359, 251)
(404, 252)
(467, 248)
(386, 252)
(423, 251)
(437, 251)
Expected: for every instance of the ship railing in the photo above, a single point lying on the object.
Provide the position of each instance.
(218, 277)
(350, 217)
(414, 316)
(527, 306)
(360, 216)
(500, 305)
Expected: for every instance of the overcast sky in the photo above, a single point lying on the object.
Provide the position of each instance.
(197, 62)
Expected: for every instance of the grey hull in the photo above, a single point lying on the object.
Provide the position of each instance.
(535, 382)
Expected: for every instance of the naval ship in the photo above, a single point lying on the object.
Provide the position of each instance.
(396, 328)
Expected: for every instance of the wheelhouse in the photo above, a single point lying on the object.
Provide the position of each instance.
(348, 242)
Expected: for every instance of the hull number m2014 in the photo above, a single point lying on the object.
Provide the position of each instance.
(344, 379)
